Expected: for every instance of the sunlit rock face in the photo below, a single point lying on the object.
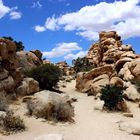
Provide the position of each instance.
(117, 61)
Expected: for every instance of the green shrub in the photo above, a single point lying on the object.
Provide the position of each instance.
(47, 75)
(82, 65)
(11, 123)
(111, 95)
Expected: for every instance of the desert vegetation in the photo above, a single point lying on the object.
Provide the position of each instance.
(82, 65)
(111, 95)
(9, 123)
(47, 75)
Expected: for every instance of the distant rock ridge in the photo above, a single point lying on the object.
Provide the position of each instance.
(115, 63)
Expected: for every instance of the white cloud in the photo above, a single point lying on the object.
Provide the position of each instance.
(39, 28)
(74, 56)
(36, 4)
(90, 20)
(3, 9)
(62, 49)
(51, 24)
(11, 11)
(15, 15)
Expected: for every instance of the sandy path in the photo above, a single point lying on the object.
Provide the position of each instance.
(89, 124)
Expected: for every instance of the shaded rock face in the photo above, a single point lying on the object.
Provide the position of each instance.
(27, 87)
(10, 74)
(117, 61)
(12, 64)
(28, 60)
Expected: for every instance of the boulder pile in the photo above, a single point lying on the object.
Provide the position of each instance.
(115, 63)
(12, 64)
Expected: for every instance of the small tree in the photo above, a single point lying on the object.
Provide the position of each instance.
(82, 64)
(111, 95)
(47, 75)
(19, 44)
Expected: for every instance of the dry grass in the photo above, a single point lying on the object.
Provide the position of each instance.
(11, 123)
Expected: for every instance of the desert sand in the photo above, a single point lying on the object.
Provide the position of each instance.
(89, 124)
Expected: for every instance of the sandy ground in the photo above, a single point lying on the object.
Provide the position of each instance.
(89, 124)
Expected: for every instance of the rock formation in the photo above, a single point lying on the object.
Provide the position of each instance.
(67, 70)
(11, 65)
(10, 73)
(115, 64)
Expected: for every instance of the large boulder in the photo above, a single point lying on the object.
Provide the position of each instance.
(28, 60)
(131, 92)
(85, 81)
(7, 84)
(125, 72)
(98, 83)
(28, 86)
(116, 81)
(52, 106)
(131, 127)
(37, 53)
(134, 67)
(10, 74)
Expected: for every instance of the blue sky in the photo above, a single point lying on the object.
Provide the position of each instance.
(65, 29)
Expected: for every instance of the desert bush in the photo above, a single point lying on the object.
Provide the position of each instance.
(63, 112)
(11, 123)
(82, 65)
(112, 95)
(47, 75)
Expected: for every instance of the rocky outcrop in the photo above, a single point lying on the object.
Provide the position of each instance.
(12, 64)
(10, 74)
(28, 60)
(28, 87)
(66, 69)
(115, 63)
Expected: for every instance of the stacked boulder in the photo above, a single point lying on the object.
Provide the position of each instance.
(115, 64)
(11, 75)
(66, 69)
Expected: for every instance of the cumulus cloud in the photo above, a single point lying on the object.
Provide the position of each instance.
(62, 49)
(50, 24)
(74, 56)
(39, 28)
(90, 20)
(3, 9)
(13, 13)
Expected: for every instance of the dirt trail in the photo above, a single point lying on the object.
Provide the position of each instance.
(89, 124)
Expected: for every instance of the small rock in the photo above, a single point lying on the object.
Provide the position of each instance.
(99, 105)
(2, 113)
(50, 137)
(131, 127)
(128, 115)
